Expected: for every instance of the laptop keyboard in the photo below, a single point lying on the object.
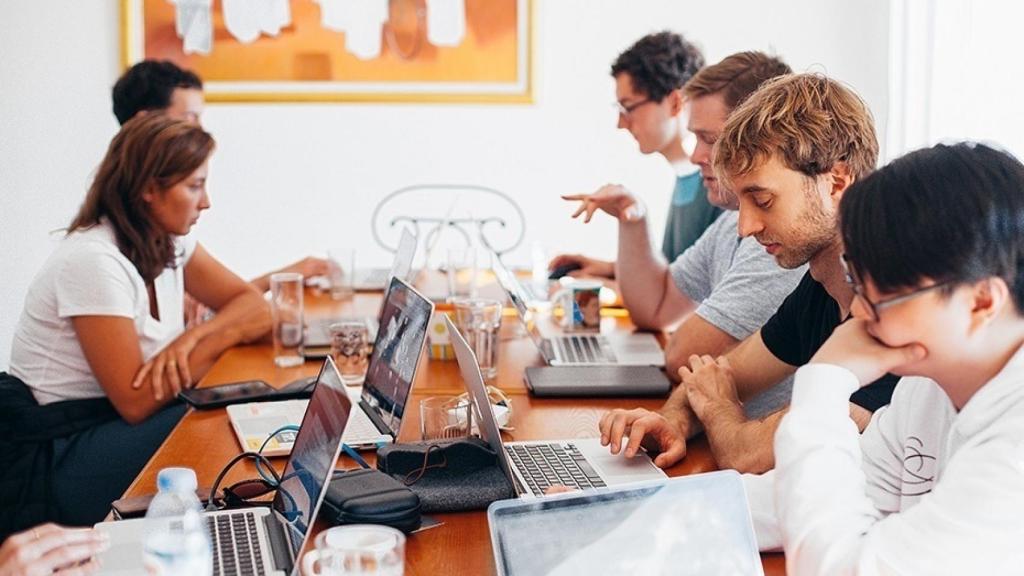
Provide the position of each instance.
(375, 276)
(236, 546)
(544, 465)
(360, 428)
(584, 349)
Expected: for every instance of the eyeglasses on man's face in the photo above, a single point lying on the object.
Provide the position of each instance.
(875, 308)
(627, 109)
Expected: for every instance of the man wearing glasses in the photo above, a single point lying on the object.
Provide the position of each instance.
(649, 78)
(789, 153)
(723, 288)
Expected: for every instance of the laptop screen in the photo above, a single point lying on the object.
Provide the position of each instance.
(473, 380)
(312, 459)
(404, 255)
(396, 352)
(514, 289)
(697, 524)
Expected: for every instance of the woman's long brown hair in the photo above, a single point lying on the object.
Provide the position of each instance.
(152, 152)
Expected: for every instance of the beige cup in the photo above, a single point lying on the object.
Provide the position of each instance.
(356, 550)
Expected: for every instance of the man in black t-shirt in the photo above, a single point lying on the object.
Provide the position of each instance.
(789, 153)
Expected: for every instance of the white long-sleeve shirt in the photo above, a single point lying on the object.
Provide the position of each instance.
(925, 490)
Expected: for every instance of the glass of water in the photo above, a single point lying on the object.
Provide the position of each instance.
(350, 349)
(286, 308)
(479, 321)
(342, 280)
(461, 273)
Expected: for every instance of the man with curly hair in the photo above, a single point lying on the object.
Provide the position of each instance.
(789, 152)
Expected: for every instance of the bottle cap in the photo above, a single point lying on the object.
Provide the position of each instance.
(176, 480)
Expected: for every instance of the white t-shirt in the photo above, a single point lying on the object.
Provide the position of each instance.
(88, 275)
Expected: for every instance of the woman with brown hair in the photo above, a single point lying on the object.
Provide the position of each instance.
(101, 344)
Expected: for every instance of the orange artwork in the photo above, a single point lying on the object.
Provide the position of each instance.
(309, 58)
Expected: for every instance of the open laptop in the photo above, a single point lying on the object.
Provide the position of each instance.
(693, 525)
(377, 420)
(534, 466)
(367, 279)
(636, 349)
(317, 339)
(262, 540)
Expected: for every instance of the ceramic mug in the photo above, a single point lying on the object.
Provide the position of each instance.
(356, 550)
(581, 306)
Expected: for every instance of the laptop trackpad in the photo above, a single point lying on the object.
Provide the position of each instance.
(125, 553)
(616, 468)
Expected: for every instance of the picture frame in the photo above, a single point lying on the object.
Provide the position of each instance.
(306, 60)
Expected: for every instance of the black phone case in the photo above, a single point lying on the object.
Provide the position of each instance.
(301, 388)
(368, 496)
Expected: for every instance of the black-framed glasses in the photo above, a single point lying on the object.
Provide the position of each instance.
(875, 308)
(627, 109)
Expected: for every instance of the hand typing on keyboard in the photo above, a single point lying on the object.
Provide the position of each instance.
(559, 489)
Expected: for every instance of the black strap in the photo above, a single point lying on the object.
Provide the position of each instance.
(23, 420)
(27, 431)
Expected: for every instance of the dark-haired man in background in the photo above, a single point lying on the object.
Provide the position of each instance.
(649, 79)
(158, 85)
(162, 86)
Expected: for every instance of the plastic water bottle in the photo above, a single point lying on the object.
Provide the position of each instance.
(177, 541)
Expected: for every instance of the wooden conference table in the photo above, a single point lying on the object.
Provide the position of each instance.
(204, 441)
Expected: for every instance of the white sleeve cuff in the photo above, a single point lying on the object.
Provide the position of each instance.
(824, 388)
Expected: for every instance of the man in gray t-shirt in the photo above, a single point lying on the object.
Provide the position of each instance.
(739, 286)
(722, 289)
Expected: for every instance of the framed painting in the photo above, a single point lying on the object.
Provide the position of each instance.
(340, 50)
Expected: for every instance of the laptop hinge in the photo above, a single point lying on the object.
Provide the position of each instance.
(374, 417)
(547, 350)
(280, 547)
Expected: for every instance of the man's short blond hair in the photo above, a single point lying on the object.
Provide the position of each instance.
(736, 77)
(810, 122)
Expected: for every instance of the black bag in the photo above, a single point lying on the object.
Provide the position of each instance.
(449, 475)
(367, 496)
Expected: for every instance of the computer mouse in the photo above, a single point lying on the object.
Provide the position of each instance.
(564, 269)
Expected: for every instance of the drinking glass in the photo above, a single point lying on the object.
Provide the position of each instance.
(350, 349)
(461, 273)
(479, 321)
(445, 418)
(342, 280)
(286, 310)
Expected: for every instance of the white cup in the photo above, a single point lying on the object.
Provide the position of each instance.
(356, 550)
(581, 306)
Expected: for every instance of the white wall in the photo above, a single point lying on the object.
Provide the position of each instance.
(291, 179)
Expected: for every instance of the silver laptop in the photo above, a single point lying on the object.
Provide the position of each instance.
(379, 278)
(317, 338)
(397, 350)
(693, 525)
(534, 466)
(377, 418)
(636, 349)
(262, 540)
